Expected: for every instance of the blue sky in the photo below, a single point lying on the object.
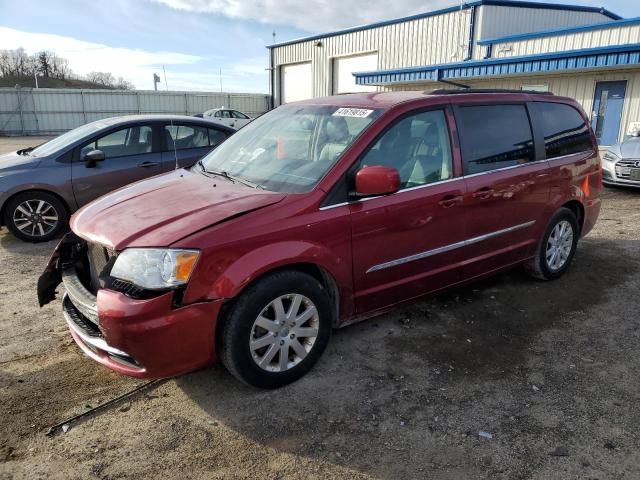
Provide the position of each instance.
(193, 38)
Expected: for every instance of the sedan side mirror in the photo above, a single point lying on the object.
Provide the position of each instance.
(92, 157)
(377, 180)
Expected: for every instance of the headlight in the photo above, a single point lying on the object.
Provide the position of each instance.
(155, 268)
(610, 157)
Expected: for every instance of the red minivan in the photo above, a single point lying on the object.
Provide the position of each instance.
(319, 214)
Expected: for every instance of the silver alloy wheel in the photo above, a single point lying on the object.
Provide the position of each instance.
(559, 245)
(284, 332)
(35, 218)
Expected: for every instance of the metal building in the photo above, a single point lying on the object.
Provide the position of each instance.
(587, 53)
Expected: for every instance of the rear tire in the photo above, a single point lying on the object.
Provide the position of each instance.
(557, 247)
(35, 216)
(276, 330)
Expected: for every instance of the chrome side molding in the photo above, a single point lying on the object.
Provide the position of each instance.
(448, 248)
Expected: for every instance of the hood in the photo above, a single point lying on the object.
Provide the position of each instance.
(162, 210)
(14, 161)
(630, 148)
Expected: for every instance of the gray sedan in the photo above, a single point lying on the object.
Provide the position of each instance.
(40, 187)
(621, 164)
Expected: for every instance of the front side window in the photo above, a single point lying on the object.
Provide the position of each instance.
(494, 136)
(184, 137)
(124, 142)
(417, 146)
(565, 131)
(290, 148)
(58, 143)
(239, 115)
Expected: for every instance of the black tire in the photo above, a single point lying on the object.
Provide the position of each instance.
(539, 267)
(237, 328)
(43, 231)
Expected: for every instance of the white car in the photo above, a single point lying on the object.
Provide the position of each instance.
(621, 164)
(229, 118)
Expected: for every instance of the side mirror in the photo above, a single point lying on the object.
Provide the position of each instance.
(92, 157)
(377, 180)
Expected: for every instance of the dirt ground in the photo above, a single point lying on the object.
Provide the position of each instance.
(550, 370)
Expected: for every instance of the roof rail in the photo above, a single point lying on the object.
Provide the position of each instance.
(447, 91)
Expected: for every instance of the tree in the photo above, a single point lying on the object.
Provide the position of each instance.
(17, 65)
(104, 79)
(44, 63)
(123, 84)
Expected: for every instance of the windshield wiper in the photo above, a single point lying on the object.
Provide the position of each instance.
(228, 176)
(25, 151)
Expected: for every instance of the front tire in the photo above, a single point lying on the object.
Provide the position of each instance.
(557, 247)
(35, 216)
(276, 330)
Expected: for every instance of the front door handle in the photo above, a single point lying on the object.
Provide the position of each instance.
(450, 201)
(483, 193)
(148, 164)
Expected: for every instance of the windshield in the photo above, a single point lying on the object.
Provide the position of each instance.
(290, 148)
(65, 139)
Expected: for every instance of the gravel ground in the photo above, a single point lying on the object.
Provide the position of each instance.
(549, 370)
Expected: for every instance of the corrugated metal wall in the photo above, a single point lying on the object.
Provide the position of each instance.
(604, 37)
(424, 41)
(429, 40)
(579, 86)
(495, 21)
(50, 111)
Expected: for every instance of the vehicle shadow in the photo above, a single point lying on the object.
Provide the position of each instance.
(410, 390)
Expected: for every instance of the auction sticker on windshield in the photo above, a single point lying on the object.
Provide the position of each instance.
(352, 112)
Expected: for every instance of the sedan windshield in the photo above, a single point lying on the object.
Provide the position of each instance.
(68, 138)
(290, 148)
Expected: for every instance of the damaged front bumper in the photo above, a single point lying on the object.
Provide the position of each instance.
(139, 337)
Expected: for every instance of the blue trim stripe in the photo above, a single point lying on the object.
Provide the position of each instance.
(497, 3)
(601, 57)
(562, 31)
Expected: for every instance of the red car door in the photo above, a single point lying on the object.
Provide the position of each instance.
(508, 185)
(407, 243)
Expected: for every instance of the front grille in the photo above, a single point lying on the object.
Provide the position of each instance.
(627, 169)
(100, 263)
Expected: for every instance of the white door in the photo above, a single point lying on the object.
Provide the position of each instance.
(344, 67)
(296, 82)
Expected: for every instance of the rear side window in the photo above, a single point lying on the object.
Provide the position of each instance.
(565, 132)
(494, 136)
(216, 137)
(185, 137)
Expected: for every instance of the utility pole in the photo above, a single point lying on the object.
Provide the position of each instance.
(166, 85)
(156, 81)
(220, 76)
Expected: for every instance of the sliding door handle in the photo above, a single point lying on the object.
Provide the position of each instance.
(483, 193)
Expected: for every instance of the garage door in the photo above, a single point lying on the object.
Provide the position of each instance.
(295, 81)
(343, 68)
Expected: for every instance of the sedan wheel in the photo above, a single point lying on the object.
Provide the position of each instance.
(35, 218)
